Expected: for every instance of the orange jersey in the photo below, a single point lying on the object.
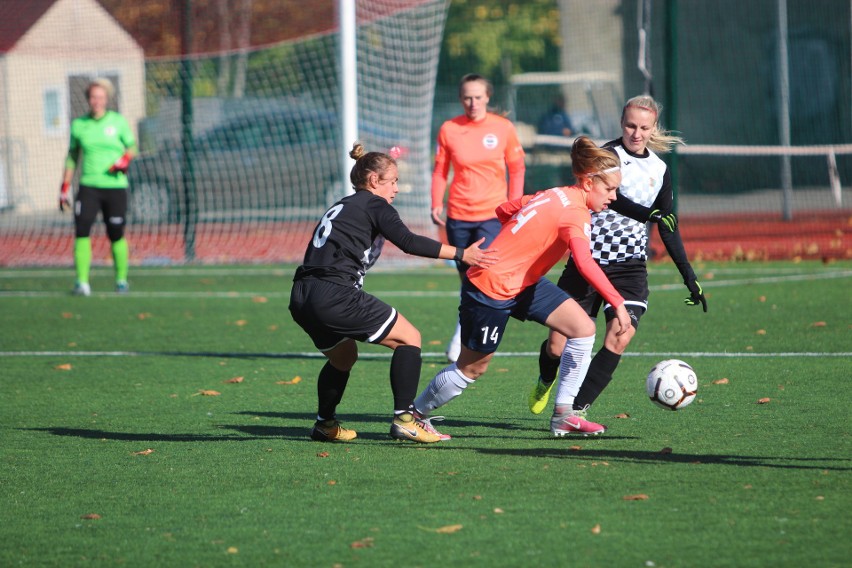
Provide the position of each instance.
(479, 153)
(535, 236)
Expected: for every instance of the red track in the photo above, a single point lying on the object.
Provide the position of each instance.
(730, 237)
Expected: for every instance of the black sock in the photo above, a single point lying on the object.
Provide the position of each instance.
(330, 386)
(547, 365)
(405, 376)
(597, 377)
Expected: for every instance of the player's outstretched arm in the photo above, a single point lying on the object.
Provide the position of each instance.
(472, 255)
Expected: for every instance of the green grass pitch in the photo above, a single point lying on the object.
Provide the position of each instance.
(113, 455)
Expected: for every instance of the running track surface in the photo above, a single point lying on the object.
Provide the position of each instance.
(810, 236)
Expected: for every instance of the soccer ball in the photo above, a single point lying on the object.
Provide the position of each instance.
(672, 384)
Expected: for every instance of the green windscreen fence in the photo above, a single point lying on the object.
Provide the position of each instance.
(760, 90)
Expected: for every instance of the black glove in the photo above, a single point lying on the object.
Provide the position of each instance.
(696, 295)
(664, 221)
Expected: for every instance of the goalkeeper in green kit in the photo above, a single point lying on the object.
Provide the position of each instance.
(102, 145)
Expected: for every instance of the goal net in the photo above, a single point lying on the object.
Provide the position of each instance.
(242, 171)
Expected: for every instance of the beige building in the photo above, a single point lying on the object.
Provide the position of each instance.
(49, 50)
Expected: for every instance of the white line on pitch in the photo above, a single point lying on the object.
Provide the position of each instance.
(709, 285)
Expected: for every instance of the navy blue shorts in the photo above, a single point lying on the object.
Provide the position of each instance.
(630, 279)
(331, 313)
(465, 233)
(483, 319)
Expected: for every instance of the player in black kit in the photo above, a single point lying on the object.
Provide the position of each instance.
(328, 303)
(619, 245)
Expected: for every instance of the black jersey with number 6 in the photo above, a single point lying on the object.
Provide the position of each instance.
(340, 249)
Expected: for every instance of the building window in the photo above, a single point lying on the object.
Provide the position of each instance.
(53, 116)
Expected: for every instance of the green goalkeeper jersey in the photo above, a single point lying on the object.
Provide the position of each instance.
(101, 142)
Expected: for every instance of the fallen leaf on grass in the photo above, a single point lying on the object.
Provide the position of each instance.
(363, 543)
(761, 332)
(147, 452)
(575, 448)
(622, 415)
(259, 300)
(205, 392)
(233, 550)
(63, 367)
(143, 316)
(596, 529)
(818, 324)
(639, 497)
(91, 516)
(332, 482)
(234, 380)
(67, 315)
(449, 529)
(763, 400)
(434, 342)
(322, 455)
(293, 381)
(723, 381)
(240, 323)
(498, 511)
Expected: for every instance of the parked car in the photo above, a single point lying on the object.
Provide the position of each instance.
(283, 164)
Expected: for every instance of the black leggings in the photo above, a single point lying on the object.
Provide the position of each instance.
(111, 202)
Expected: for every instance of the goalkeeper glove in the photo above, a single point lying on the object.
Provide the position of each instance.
(696, 295)
(668, 221)
(121, 164)
(65, 196)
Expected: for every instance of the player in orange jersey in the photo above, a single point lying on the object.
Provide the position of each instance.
(537, 230)
(481, 147)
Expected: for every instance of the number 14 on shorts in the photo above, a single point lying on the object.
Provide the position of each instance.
(493, 336)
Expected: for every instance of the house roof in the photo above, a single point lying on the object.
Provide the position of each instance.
(17, 17)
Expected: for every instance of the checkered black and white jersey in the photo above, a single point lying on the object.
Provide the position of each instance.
(615, 237)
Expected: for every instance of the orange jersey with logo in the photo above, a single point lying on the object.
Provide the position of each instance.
(479, 153)
(533, 240)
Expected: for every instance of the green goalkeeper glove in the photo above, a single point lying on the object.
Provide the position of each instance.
(696, 295)
(668, 221)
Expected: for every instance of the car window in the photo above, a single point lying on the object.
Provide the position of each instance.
(269, 131)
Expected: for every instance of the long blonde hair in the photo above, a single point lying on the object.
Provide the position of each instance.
(661, 140)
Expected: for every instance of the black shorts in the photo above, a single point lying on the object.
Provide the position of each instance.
(331, 313)
(111, 203)
(630, 279)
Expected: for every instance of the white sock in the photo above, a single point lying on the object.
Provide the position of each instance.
(444, 387)
(575, 361)
(454, 346)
